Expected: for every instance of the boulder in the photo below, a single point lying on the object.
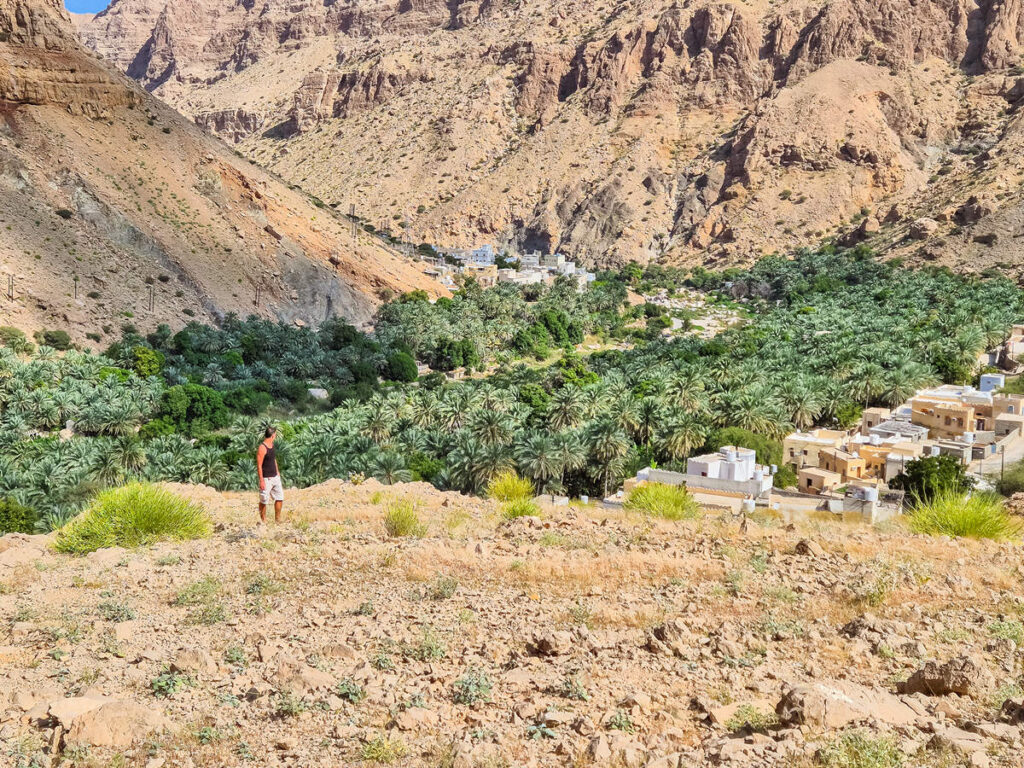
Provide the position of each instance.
(922, 229)
(1012, 711)
(963, 675)
(115, 724)
(551, 643)
(835, 703)
(195, 661)
(673, 638)
(809, 548)
(416, 718)
(65, 711)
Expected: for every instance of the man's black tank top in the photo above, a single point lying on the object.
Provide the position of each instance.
(270, 462)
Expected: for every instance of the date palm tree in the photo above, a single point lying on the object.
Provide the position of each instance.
(538, 459)
(607, 443)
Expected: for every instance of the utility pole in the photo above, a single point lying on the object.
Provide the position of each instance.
(1002, 461)
(256, 302)
(10, 287)
(352, 218)
(152, 297)
(75, 280)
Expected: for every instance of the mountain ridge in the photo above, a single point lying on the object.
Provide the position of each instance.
(695, 132)
(117, 204)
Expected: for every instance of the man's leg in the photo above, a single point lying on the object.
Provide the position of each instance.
(277, 511)
(263, 512)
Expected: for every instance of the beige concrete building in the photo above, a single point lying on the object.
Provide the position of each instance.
(801, 449)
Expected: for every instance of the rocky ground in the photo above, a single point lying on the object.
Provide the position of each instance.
(585, 637)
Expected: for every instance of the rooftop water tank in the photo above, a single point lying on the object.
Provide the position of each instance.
(870, 494)
(730, 454)
(875, 439)
(969, 438)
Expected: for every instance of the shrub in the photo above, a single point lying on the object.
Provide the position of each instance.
(132, 516)
(671, 502)
(930, 476)
(14, 339)
(751, 718)
(978, 516)
(860, 750)
(350, 691)
(116, 612)
(508, 486)
(168, 683)
(401, 519)
(59, 340)
(16, 518)
(1012, 480)
(443, 588)
(401, 367)
(472, 687)
(382, 749)
(514, 508)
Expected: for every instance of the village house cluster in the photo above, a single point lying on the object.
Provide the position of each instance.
(950, 420)
(848, 471)
(482, 265)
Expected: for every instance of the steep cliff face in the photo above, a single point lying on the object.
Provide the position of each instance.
(115, 206)
(711, 131)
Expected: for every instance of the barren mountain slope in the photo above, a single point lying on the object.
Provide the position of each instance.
(107, 190)
(587, 638)
(701, 131)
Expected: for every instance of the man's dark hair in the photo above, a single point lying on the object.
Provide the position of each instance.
(269, 432)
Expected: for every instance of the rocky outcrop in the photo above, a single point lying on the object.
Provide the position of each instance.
(232, 125)
(325, 95)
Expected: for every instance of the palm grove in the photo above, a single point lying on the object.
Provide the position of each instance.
(827, 334)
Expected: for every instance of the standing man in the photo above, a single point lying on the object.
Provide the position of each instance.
(270, 478)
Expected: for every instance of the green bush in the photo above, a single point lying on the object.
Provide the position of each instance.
(401, 519)
(671, 502)
(16, 518)
(1012, 480)
(519, 507)
(508, 486)
(59, 340)
(785, 477)
(979, 516)
(861, 750)
(401, 367)
(132, 516)
(931, 476)
(14, 339)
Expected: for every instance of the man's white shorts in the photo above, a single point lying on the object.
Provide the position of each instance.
(272, 489)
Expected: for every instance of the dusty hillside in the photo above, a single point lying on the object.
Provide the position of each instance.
(104, 185)
(701, 131)
(588, 637)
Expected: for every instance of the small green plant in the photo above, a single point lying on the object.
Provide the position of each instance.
(382, 660)
(116, 612)
(198, 592)
(382, 749)
(133, 515)
(287, 704)
(443, 588)
(581, 614)
(208, 735)
(747, 717)
(350, 691)
(429, 648)
(402, 520)
(473, 687)
(539, 731)
(364, 609)
(235, 655)
(167, 560)
(572, 688)
(1008, 630)
(978, 516)
(167, 684)
(669, 502)
(620, 721)
(262, 584)
(857, 749)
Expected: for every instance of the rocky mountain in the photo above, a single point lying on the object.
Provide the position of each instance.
(113, 202)
(699, 130)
